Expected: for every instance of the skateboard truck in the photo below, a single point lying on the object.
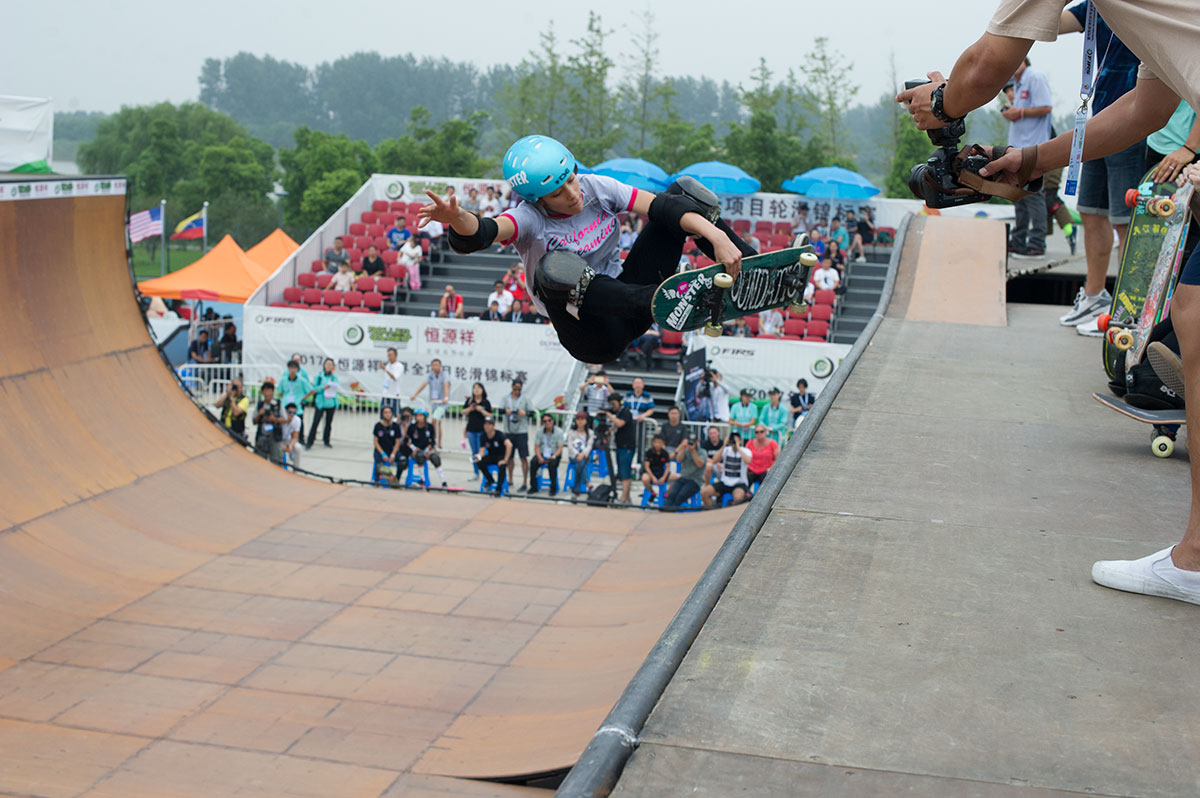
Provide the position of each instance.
(1119, 337)
(1157, 206)
(713, 327)
(796, 283)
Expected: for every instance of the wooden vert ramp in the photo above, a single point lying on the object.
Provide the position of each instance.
(179, 617)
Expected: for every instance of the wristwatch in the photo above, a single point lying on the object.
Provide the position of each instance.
(935, 104)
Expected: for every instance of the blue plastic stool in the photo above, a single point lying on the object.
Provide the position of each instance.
(569, 479)
(660, 492)
(537, 480)
(597, 465)
(495, 471)
(375, 474)
(412, 479)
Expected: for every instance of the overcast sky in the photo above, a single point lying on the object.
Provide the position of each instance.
(97, 56)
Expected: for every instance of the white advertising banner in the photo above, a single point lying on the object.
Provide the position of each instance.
(57, 189)
(26, 133)
(764, 363)
(493, 353)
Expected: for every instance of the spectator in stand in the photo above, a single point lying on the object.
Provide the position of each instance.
(336, 255)
(675, 432)
(838, 234)
(719, 396)
(835, 254)
(300, 366)
(439, 394)
(422, 439)
(491, 204)
(764, 451)
(752, 240)
(405, 452)
(343, 280)
(624, 440)
(649, 342)
(269, 420)
(774, 417)
(580, 440)
(292, 431)
(595, 390)
(524, 314)
(711, 446)
(387, 436)
(229, 343)
(434, 232)
(800, 219)
(501, 296)
(739, 328)
(410, 258)
(656, 469)
(393, 370)
(770, 323)
(514, 282)
(233, 407)
(471, 203)
(493, 313)
(864, 232)
(692, 464)
(518, 412)
(744, 415)
(801, 401)
(199, 350)
(476, 408)
(626, 237)
(398, 234)
(547, 451)
(495, 449)
(818, 242)
(451, 305)
(640, 403)
(732, 472)
(826, 278)
(325, 389)
(293, 387)
(373, 265)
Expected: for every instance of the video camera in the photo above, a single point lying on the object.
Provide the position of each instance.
(942, 181)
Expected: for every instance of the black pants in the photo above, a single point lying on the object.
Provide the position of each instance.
(327, 414)
(617, 310)
(551, 472)
(492, 459)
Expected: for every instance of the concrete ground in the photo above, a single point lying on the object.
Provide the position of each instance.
(917, 617)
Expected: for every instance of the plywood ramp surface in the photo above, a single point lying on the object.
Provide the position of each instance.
(179, 617)
(952, 270)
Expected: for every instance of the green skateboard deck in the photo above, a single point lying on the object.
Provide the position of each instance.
(1149, 232)
(692, 299)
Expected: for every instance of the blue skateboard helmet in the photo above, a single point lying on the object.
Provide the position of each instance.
(536, 166)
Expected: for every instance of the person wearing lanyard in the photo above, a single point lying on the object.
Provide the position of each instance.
(1163, 34)
(517, 414)
(439, 393)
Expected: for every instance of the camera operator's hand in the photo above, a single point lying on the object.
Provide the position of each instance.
(1005, 168)
(917, 101)
(1012, 114)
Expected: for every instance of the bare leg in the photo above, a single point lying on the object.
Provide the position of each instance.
(1185, 313)
(1097, 244)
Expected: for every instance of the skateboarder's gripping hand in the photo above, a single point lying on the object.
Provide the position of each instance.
(728, 255)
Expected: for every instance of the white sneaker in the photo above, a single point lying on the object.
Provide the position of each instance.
(860, 259)
(1090, 328)
(1086, 308)
(1154, 575)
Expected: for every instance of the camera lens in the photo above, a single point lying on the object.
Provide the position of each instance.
(916, 180)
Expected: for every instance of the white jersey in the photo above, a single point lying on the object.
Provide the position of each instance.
(592, 233)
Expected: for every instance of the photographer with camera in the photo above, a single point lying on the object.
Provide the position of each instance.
(269, 420)
(1163, 34)
(733, 472)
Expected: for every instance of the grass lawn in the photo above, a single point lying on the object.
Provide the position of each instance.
(144, 267)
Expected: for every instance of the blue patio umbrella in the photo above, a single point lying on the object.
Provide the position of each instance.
(723, 178)
(635, 172)
(831, 181)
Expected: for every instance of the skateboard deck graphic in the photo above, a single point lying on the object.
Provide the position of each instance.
(1165, 423)
(691, 299)
(1148, 263)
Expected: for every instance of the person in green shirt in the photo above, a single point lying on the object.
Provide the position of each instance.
(744, 415)
(774, 417)
(294, 385)
(325, 389)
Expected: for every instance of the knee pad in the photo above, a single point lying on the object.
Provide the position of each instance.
(564, 277)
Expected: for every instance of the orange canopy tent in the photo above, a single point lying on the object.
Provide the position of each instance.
(273, 250)
(224, 274)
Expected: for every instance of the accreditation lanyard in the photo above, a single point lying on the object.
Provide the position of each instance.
(1086, 89)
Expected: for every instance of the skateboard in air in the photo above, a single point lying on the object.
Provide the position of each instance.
(1165, 423)
(707, 297)
(1150, 264)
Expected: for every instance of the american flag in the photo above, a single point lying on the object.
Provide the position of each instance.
(145, 224)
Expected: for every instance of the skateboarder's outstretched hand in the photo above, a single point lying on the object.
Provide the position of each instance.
(441, 210)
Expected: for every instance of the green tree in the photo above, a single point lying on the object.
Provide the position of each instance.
(593, 107)
(448, 150)
(249, 218)
(315, 156)
(535, 99)
(270, 97)
(644, 93)
(328, 194)
(911, 147)
(829, 93)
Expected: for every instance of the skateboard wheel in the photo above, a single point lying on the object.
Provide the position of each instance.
(713, 330)
(809, 259)
(1131, 198)
(723, 280)
(1162, 446)
(1123, 340)
(1164, 207)
(1102, 322)
(798, 308)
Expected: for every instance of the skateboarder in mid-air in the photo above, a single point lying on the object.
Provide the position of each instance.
(566, 232)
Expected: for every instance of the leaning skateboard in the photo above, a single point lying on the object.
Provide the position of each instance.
(707, 297)
(1166, 423)
(1150, 264)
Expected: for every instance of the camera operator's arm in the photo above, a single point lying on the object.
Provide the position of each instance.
(978, 76)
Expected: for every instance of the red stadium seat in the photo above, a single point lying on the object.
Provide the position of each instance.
(280, 304)
(779, 240)
(358, 229)
(375, 230)
(365, 283)
(790, 338)
(814, 339)
(360, 309)
(703, 261)
(306, 280)
(740, 225)
(323, 281)
(387, 219)
(817, 329)
(292, 294)
(386, 285)
(355, 254)
(820, 313)
(762, 228)
(330, 297)
(670, 346)
(373, 300)
(413, 207)
(397, 206)
(379, 205)
(312, 296)
(752, 323)
(784, 229)
(425, 246)
(356, 266)
(362, 242)
(298, 306)
(824, 298)
(380, 243)
(397, 272)
(794, 327)
(370, 217)
(352, 299)
(318, 265)
(389, 256)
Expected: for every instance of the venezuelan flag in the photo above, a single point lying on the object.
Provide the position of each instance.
(191, 227)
